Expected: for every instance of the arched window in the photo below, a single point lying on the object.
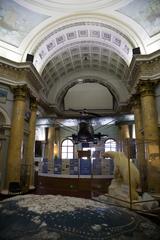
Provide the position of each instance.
(67, 149)
(110, 145)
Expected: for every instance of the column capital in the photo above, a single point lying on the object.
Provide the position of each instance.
(33, 103)
(20, 92)
(146, 88)
(135, 100)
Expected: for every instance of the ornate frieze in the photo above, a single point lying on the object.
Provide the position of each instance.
(12, 73)
(144, 67)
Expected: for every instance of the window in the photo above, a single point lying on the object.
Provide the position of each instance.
(67, 149)
(110, 145)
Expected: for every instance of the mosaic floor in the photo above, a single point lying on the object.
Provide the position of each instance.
(37, 217)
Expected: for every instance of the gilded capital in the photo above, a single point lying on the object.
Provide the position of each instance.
(135, 100)
(33, 103)
(146, 88)
(20, 92)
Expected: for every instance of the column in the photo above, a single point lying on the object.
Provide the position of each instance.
(151, 134)
(57, 140)
(16, 135)
(50, 147)
(31, 142)
(1, 142)
(124, 138)
(140, 153)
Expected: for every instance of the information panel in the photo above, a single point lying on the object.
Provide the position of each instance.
(65, 166)
(57, 166)
(73, 166)
(81, 166)
(97, 166)
(85, 166)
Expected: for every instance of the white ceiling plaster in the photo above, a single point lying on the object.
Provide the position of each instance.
(81, 46)
(68, 5)
(80, 58)
(88, 96)
(117, 87)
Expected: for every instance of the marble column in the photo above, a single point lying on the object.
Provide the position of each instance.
(31, 142)
(139, 132)
(16, 135)
(151, 134)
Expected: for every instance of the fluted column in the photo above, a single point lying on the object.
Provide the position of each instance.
(140, 153)
(16, 135)
(151, 134)
(31, 142)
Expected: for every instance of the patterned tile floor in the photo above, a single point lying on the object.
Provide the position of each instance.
(42, 217)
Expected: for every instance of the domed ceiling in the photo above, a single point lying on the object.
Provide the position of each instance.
(73, 41)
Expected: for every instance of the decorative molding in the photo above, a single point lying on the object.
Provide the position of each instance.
(144, 67)
(14, 74)
(80, 56)
(58, 107)
(5, 114)
(76, 32)
(20, 92)
(146, 88)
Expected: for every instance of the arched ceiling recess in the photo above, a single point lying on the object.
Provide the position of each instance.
(80, 97)
(83, 42)
(80, 46)
(39, 38)
(60, 109)
(82, 31)
(81, 57)
(118, 91)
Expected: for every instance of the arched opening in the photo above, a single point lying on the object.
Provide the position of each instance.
(88, 96)
(110, 145)
(67, 149)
